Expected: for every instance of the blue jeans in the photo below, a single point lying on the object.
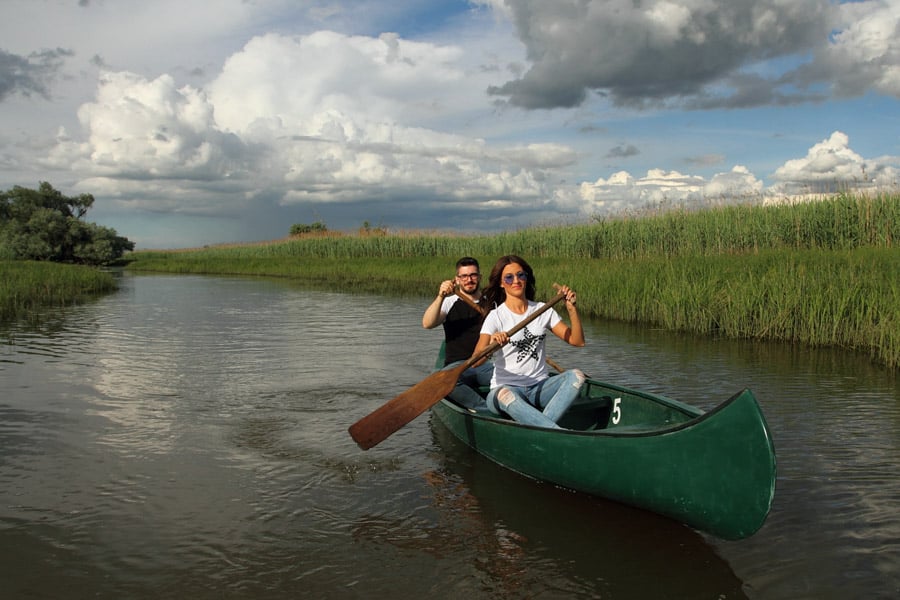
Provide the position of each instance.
(473, 377)
(542, 404)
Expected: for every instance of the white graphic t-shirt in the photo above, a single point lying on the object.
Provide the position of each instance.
(521, 361)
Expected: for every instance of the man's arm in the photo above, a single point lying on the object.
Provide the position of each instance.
(433, 317)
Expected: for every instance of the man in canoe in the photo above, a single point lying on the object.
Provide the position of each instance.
(457, 308)
(521, 386)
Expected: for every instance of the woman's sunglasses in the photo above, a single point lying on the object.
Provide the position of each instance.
(509, 277)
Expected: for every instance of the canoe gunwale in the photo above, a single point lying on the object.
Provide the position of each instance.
(609, 432)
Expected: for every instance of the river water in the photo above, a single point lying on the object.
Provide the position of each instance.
(187, 437)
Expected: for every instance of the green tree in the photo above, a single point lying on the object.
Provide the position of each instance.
(301, 228)
(97, 245)
(43, 224)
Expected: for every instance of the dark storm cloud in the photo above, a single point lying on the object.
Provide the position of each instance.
(622, 151)
(650, 53)
(29, 75)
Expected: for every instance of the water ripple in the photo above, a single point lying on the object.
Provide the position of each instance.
(187, 436)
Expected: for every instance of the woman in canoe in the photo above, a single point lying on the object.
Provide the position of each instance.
(521, 386)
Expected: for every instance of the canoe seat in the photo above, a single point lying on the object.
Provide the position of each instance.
(587, 414)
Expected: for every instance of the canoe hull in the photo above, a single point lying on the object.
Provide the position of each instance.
(713, 471)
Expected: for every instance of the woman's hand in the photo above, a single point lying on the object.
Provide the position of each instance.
(573, 334)
(500, 338)
(571, 298)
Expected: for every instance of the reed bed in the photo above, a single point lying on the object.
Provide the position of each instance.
(846, 298)
(26, 285)
(835, 223)
(819, 273)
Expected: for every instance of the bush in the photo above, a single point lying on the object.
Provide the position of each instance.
(302, 228)
(44, 225)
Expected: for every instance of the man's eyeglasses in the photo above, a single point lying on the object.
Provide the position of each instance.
(469, 276)
(509, 277)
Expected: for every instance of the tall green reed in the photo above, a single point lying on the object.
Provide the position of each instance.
(28, 285)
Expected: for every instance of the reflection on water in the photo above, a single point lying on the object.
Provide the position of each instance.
(186, 436)
(535, 540)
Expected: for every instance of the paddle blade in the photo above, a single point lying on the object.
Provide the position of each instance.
(378, 425)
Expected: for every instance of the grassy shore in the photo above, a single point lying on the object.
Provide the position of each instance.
(820, 273)
(26, 285)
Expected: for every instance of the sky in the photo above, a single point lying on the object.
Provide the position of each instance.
(198, 122)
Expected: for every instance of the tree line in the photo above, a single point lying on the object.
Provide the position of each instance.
(45, 225)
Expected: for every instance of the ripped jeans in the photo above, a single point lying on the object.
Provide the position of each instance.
(542, 404)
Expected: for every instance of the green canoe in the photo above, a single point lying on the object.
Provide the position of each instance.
(714, 471)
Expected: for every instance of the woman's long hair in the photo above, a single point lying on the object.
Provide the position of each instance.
(494, 292)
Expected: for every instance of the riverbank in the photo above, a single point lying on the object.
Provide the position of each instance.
(823, 273)
(29, 285)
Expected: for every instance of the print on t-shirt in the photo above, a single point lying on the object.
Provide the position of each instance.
(528, 345)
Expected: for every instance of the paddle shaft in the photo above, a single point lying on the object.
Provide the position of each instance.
(380, 424)
(481, 310)
(554, 364)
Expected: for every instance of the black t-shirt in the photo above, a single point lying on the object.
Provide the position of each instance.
(462, 325)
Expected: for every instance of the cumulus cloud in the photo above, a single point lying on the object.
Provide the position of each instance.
(622, 192)
(346, 114)
(831, 165)
(863, 53)
(140, 129)
(828, 166)
(284, 79)
(735, 185)
(322, 118)
(32, 74)
(699, 54)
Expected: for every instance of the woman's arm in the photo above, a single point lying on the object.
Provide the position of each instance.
(484, 340)
(573, 334)
(490, 333)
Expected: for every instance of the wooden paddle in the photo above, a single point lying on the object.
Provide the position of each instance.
(554, 364)
(378, 425)
(559, 368)
(482, 310)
